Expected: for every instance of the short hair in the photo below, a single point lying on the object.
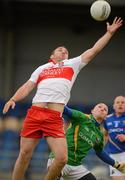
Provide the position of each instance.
(58, 47)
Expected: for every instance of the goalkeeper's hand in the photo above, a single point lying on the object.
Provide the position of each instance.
(120, 166)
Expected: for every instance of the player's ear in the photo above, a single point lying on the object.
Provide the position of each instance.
(51, 57)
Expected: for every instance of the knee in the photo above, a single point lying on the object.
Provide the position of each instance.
(62, 159)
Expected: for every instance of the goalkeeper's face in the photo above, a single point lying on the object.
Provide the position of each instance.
(100, 112)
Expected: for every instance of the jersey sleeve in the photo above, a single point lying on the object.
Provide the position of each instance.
(35, 75)
(77, 62)
(78, 116)
(74, 115)
(104, 156)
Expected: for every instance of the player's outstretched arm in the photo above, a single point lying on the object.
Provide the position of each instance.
(20, 94)
(103, 41)
(107, 159)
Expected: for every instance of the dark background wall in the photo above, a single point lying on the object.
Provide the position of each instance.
(29, 31)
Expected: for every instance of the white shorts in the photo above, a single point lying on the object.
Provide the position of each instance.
(120, 157)
(71, 172)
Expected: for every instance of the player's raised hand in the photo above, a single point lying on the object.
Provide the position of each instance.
(117, 23)
(8, 105)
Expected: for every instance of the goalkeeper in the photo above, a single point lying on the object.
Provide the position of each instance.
(82, 135)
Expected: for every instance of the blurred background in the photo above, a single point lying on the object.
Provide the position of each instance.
(29, 31)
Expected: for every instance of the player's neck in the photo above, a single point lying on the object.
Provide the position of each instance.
(118, 114)
(55, 61)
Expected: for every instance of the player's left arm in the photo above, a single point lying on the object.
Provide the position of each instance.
(107, 159)
(88, 55)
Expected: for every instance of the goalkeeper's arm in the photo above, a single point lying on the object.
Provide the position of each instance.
(107, 159)
(67, 111)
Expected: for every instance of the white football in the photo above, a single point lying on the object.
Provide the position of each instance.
(100, 10)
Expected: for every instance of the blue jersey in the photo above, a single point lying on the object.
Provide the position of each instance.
(115, 125)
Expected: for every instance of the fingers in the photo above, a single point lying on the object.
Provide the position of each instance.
(118, 20)
(115, 19)
(5, 109)
(7, 106)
